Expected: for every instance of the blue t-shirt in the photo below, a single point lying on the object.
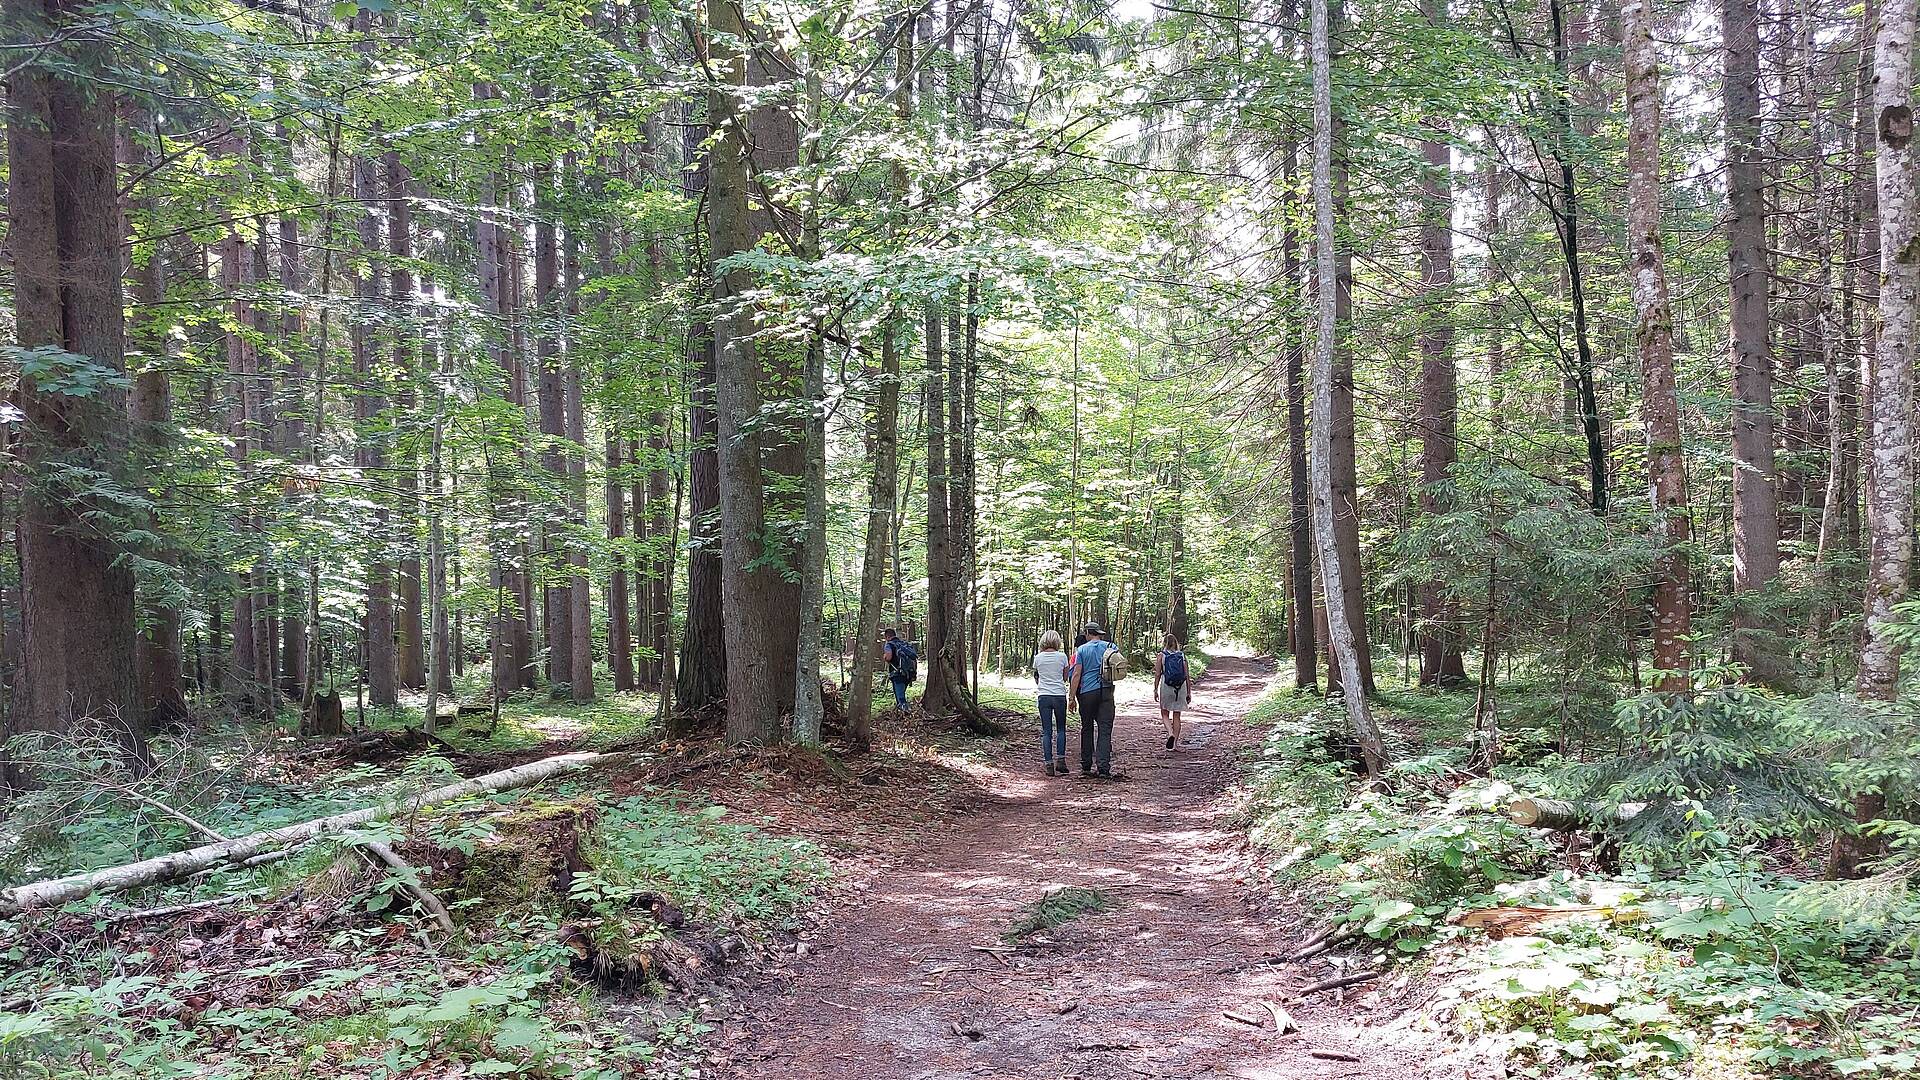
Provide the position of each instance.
(1088, 656)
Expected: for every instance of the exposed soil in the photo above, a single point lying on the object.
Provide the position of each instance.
(911, 978)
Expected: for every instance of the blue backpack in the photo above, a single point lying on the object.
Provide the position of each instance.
(906, 661)
(1173, 669)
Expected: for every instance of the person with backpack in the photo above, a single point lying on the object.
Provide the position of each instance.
(903, 665)
(1097, 666)
(1172, 685)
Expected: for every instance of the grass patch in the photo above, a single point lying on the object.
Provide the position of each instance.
(1058, 908)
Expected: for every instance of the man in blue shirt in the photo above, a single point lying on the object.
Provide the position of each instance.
(1093, 699)
(901, 658)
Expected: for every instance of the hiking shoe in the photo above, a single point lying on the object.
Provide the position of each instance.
(1169, 742)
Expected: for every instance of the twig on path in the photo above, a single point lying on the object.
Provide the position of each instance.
(1333, 1055)
(837, 1005)
(1245, 1018)
(992, 951)
(1339, 983)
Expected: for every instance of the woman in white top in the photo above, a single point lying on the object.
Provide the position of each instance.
(1050, 681)
(1172, 686)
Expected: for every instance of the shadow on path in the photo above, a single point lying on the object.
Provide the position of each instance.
(898, 990)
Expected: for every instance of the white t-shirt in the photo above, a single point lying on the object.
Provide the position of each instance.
(1050, 671)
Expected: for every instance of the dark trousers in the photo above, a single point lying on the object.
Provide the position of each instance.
(1096, 730)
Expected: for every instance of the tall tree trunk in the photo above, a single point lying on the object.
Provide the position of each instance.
(883, 457)
(295, 437)
(1299, 482)
(1342, 466)
(1756, 512)
(760, 611)
(249, 698)
(701, 681)
(942, 621)
(1567, 226)
(408, 628)
(579, 591)
(1653, 333)
(1327, 257)
(1441, 662)
(1889, 397)
(76, 592)
(382, 661)
(557, 594)
(809, 705)
(1176, 622)
(163, 704)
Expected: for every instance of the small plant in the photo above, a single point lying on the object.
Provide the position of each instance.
(1057, 908)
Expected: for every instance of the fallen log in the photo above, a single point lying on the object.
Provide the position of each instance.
(1565, 815)
(182, 864)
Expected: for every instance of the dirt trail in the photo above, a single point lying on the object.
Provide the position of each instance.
(895, 990)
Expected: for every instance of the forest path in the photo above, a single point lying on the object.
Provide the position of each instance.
(895, 990)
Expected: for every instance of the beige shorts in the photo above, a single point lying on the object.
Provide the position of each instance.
(1174, 698)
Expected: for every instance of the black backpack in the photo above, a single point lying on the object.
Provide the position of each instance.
(906, 661)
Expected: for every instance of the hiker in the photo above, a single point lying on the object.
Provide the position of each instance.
(1097, 665)
(1050, 666)
(903, 664)
(1172, 686)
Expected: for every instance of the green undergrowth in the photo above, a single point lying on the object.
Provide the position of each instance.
(1692, 944)
(1057, 908)
(570, 905)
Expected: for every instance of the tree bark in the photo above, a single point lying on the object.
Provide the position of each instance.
(76, 592)
(382, 660)
(409, 632)
(163, 704)
(1890, 397)
(1653, 333)
(1441, 659)
(557, 594)
(1756, 511)
(883, 459)
(760, 610)
(1327, 257)
(1343, 467)
(1299, 485)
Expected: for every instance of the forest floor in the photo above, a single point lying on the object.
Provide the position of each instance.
(920, 972)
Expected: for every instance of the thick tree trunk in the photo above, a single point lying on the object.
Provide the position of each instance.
(1327, 257)
(76, 592)
(1890, 397)
(1653, 333)
(1441, 661)
(759, 608)
(701, 681)
(1756, 512)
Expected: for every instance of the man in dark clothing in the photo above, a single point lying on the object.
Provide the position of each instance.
(895, 649)
(1093, 699)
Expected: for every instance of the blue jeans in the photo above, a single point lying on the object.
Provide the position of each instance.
(1053, 727)
(899, 691)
